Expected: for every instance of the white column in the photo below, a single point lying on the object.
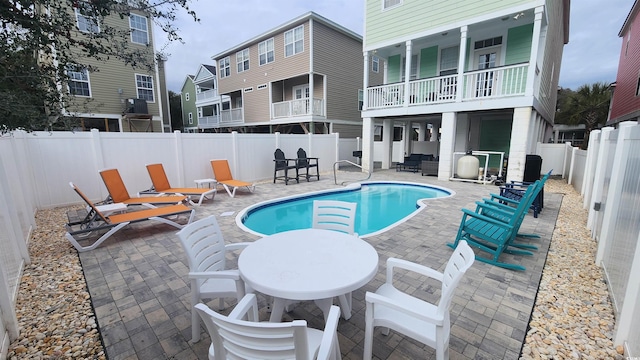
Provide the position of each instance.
(447, 144)
(407, 72)
(422, 131)
(367, 144)
(387, 143)
(533, 59)
(461, 65)
(518, 145)
(435, 131)
(598, 180)
(385, 71)
(365, 82)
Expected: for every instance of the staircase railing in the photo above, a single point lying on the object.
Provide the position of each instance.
(335, 178)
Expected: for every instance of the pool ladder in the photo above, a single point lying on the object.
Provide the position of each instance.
(335, 179)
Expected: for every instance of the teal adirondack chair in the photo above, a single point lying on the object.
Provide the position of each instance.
(492, 235)
(513, 191)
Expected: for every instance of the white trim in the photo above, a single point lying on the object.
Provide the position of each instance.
(265, 43)
(262, 86)
(88, 27)
(186, 96)
(190, 118)
(386, 7)
(153, 91)
(375, 64)
(241, 59)
(224, 63)
(146, 30)
(87, 81)
(294, 41)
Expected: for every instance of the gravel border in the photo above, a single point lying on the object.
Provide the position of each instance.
(572, 317)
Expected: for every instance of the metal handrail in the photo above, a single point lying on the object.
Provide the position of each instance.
(335, 179)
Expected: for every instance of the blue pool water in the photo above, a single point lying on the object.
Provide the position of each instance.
(380, 206)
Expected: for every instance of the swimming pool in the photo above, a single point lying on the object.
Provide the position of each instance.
(381, 205)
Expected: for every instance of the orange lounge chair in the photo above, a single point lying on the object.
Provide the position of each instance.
(118, 192)
(161, 185)
(97, 221)
(222, 173)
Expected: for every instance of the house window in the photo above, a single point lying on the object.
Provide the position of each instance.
(242, 59)
(488, 43)
(449, 61)
(200, 112)
(139, 30)
(360, 99)
(144, 87)
(294, 41)
(238, 102)
(186, 97)
(225, 67)
(84, 16)
(265, 52)
(78, 81)
(387, 4)
(638, 87)
(190, 118)
(375, 64)
(414, 67)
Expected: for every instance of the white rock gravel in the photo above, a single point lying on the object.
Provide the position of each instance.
(572, 317)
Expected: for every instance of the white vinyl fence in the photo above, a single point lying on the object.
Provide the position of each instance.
(35, 170)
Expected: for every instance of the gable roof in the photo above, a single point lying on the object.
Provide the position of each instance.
(627, 22)
(205, 72)
(186, 79)
(278, 29)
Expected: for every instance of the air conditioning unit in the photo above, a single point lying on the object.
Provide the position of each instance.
(137, 106)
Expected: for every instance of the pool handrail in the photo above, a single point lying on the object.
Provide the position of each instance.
(335, 179)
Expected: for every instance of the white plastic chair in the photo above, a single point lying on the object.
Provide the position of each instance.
(334, 215)
(233, 338)
(428, 323)
(204, 245)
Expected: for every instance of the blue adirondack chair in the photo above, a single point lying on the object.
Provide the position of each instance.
(492, 235)
(512, 193)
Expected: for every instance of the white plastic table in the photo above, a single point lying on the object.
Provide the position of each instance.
(308, 264)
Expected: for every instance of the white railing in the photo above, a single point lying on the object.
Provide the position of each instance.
(496, 82)
(232, 116)
(297, 107)
(480, 84)
(207, 95)
(208, 122)
(433, 90)
(384, 96)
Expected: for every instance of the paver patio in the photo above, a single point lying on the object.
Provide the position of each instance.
(140, 291)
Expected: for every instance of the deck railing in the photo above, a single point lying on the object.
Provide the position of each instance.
(298, 107)
(479, 84)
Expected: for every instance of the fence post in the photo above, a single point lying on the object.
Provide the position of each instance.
(234, 147)
(592, 157)
(598, 179)
(98, 156)
(632, 295)
(179, 157)
(7, 311)
(572, 164)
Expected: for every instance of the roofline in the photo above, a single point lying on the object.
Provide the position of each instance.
(189, 76)
(566, 14)
(300, 19)
(626, 23)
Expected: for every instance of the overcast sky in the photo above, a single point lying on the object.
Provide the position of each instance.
(590, 56)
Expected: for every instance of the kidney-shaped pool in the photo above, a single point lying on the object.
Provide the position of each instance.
(381, 205)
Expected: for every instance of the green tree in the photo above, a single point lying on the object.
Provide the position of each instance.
(175, 107)
(589, 105)
(40, 39)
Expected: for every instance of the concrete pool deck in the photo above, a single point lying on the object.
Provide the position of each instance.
(139, 287)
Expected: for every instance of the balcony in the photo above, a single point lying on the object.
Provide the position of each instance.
(208, 122)
(232, 117)
(498, 82)
(299, 107)
(207, 97)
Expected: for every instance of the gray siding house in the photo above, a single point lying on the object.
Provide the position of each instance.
(302, 76)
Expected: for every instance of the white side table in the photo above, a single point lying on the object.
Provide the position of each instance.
(200, 183)
(109, 209)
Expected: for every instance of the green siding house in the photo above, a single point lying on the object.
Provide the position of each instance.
(462, 75)
(188, 104)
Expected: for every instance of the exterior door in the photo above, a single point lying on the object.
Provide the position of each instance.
(486, 80)
(300, 105)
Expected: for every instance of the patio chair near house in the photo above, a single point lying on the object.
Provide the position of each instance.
(210, 278)
(307, 163)
(282, 164)
(412, 163)
(512, 192)
(222, 174)
(232, 337)
(484, 229)
(161, 186)
(118, 192)
(428, 323)
(95, 221)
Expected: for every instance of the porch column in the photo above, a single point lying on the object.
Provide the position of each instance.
(407, 72)
(408, 142)
(365, 82)
(533, 59)
(385, 69)
(387, 143)
(422, 131)
(518, 146)
(447, 143)
(367, 144)
(435, 131)
(461, 63)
